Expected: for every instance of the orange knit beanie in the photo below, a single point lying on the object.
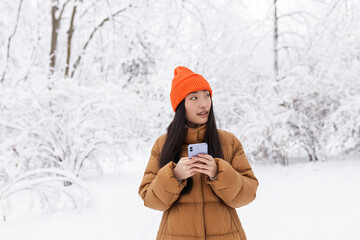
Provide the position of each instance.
(185, 82)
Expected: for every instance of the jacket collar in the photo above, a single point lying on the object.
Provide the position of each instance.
(195, 135)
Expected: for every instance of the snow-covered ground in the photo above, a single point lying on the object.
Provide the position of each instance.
(300, 201)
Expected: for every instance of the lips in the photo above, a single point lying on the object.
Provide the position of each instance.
(203, 114)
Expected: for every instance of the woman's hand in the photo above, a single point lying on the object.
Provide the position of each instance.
(205, 163)
(183, 169)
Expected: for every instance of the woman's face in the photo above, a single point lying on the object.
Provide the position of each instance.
(197, 107)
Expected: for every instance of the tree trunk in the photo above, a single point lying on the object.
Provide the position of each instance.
(54, 34)
(70, 34)
(275, 43)
(54, 31)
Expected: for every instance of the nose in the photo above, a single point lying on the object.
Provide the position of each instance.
(203, 103)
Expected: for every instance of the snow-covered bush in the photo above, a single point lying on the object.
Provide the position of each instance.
(342, 127)
(70, 128)
(308, 108)
(45, 189)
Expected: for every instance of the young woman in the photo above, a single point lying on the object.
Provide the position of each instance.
(198, 195)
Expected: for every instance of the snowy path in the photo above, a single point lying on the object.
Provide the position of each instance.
(304, 201)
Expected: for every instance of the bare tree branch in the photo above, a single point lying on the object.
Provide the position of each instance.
(81, 15)
(63, 8)
(333, 8)
(9, 40)
(300, 13)
(91, 36)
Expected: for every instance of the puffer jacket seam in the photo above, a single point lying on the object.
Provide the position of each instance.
(212, 235)
(222, 234)
(199, 202)
(174, 235)
(203, 205)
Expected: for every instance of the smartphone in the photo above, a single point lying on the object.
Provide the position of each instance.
(195, 149)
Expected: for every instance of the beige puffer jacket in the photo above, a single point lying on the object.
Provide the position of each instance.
(208, 211)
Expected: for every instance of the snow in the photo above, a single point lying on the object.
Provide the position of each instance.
(54, 127)
(308, 200)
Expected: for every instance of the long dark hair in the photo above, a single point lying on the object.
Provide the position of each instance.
(176, 135)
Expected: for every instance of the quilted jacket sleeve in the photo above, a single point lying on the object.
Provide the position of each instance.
(236, 183)
(159, 188)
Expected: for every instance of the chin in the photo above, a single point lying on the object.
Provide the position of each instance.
(202, 121)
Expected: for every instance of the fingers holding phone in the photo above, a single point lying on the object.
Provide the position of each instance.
(184, 169)
(205, 163)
